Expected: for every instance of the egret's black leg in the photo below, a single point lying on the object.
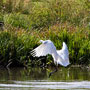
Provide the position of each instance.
(56, 69)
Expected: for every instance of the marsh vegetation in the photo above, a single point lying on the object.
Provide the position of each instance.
(28, 21)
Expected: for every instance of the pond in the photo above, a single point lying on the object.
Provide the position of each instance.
(75, 78)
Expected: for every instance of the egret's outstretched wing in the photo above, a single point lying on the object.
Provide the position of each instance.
(64, 51)
(43, 49)
(64, 54)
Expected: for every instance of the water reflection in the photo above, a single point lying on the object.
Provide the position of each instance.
(65, 78)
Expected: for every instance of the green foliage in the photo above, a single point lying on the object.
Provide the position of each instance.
(42, 14)
(17, 20)
(59, 20)
(1, 17)
(78, 44)
(40, 18)
(15, 49)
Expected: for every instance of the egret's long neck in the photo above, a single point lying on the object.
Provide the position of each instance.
(55, 57)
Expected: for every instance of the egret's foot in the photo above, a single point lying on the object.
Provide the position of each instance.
(52, 72)
(49, 74)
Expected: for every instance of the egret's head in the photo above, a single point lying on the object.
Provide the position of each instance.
(44, 42)
(41, 41)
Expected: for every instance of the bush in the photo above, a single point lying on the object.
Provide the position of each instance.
(78, 44)
(14, 49)
(43, 14)
(15, 46)
(58, 20)
(1, 17)
(17, 20)
(40, 18)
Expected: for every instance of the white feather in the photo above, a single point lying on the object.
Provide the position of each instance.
(47, 47)
(64, 55)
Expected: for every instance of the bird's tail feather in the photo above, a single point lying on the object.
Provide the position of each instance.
(64, 63)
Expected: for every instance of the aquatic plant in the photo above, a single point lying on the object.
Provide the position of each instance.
(58, 20)
(15, 50)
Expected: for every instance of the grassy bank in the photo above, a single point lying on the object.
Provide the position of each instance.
(28, 21)
(15, 46)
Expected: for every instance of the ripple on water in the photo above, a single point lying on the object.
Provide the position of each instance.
(47, 85)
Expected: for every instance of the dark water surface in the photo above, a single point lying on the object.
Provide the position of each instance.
(72, 78)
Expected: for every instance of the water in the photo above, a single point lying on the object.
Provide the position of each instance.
(73, 78)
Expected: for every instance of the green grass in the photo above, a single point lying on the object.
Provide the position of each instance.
(15, 46)
(15, 49)
(17, 20)
(28, 21)
(78, 44)
(43, 14)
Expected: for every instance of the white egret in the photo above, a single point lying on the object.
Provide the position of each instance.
(59, 56)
